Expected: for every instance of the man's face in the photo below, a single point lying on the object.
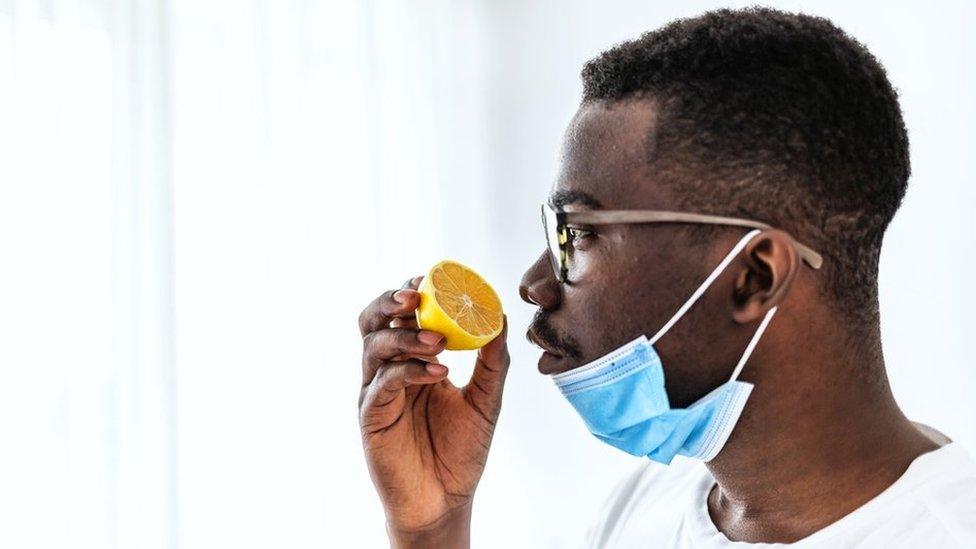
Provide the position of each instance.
(627, 280)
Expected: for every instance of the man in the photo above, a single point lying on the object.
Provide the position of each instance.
(708, 300)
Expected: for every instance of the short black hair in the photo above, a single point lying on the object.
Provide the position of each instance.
(776, 116)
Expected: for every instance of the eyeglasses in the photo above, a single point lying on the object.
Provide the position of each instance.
(557, 231)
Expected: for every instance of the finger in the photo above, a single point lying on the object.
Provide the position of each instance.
(382, 402)
(398, 344)
(411, 284)
(389, 305)
(484, 390)
(410, 323)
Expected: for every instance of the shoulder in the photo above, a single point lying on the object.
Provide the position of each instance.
(648, 490)
(932, 505)
(949, 495)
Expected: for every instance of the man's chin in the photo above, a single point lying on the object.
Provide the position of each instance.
(553, 364)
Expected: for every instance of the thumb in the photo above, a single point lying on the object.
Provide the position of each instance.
(484, 390)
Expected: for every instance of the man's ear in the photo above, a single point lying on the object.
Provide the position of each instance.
(771, 265)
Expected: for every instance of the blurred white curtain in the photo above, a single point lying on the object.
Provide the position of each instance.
(86, 351)
(187, 188)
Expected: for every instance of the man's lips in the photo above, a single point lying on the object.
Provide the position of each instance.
(534, 338)
(549, 362)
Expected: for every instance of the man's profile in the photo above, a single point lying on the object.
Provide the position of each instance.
(707, 299)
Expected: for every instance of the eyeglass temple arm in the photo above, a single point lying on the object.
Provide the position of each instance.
(603, 217)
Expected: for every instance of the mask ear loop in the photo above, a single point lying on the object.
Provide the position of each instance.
(704, 286)
(752, 343)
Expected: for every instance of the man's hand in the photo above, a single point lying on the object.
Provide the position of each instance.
(426, 441)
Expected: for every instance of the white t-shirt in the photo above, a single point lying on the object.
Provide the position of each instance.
(933, 504)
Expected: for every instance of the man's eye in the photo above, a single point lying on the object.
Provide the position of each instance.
(576, 234)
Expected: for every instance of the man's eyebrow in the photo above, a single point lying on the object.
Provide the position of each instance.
(561, 199)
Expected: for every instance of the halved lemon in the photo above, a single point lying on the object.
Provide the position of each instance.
(457, 303)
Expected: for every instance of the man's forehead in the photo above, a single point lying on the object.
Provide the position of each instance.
(603, 162)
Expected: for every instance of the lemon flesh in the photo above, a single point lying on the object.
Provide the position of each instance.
(458, 304)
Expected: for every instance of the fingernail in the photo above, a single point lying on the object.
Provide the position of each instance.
(400, 296)
(430, 338)
(436, 369)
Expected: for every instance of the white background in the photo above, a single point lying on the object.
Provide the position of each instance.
(198, 197)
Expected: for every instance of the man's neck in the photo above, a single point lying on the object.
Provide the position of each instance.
(802, 458)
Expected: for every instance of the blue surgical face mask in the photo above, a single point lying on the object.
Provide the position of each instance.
(622, 399)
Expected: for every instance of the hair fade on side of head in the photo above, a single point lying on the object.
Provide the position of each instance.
(776, 116)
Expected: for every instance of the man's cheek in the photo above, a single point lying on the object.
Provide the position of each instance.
(594, 322)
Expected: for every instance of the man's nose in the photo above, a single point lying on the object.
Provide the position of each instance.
(539, 285)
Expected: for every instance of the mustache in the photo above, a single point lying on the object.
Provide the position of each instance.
(545, 332)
